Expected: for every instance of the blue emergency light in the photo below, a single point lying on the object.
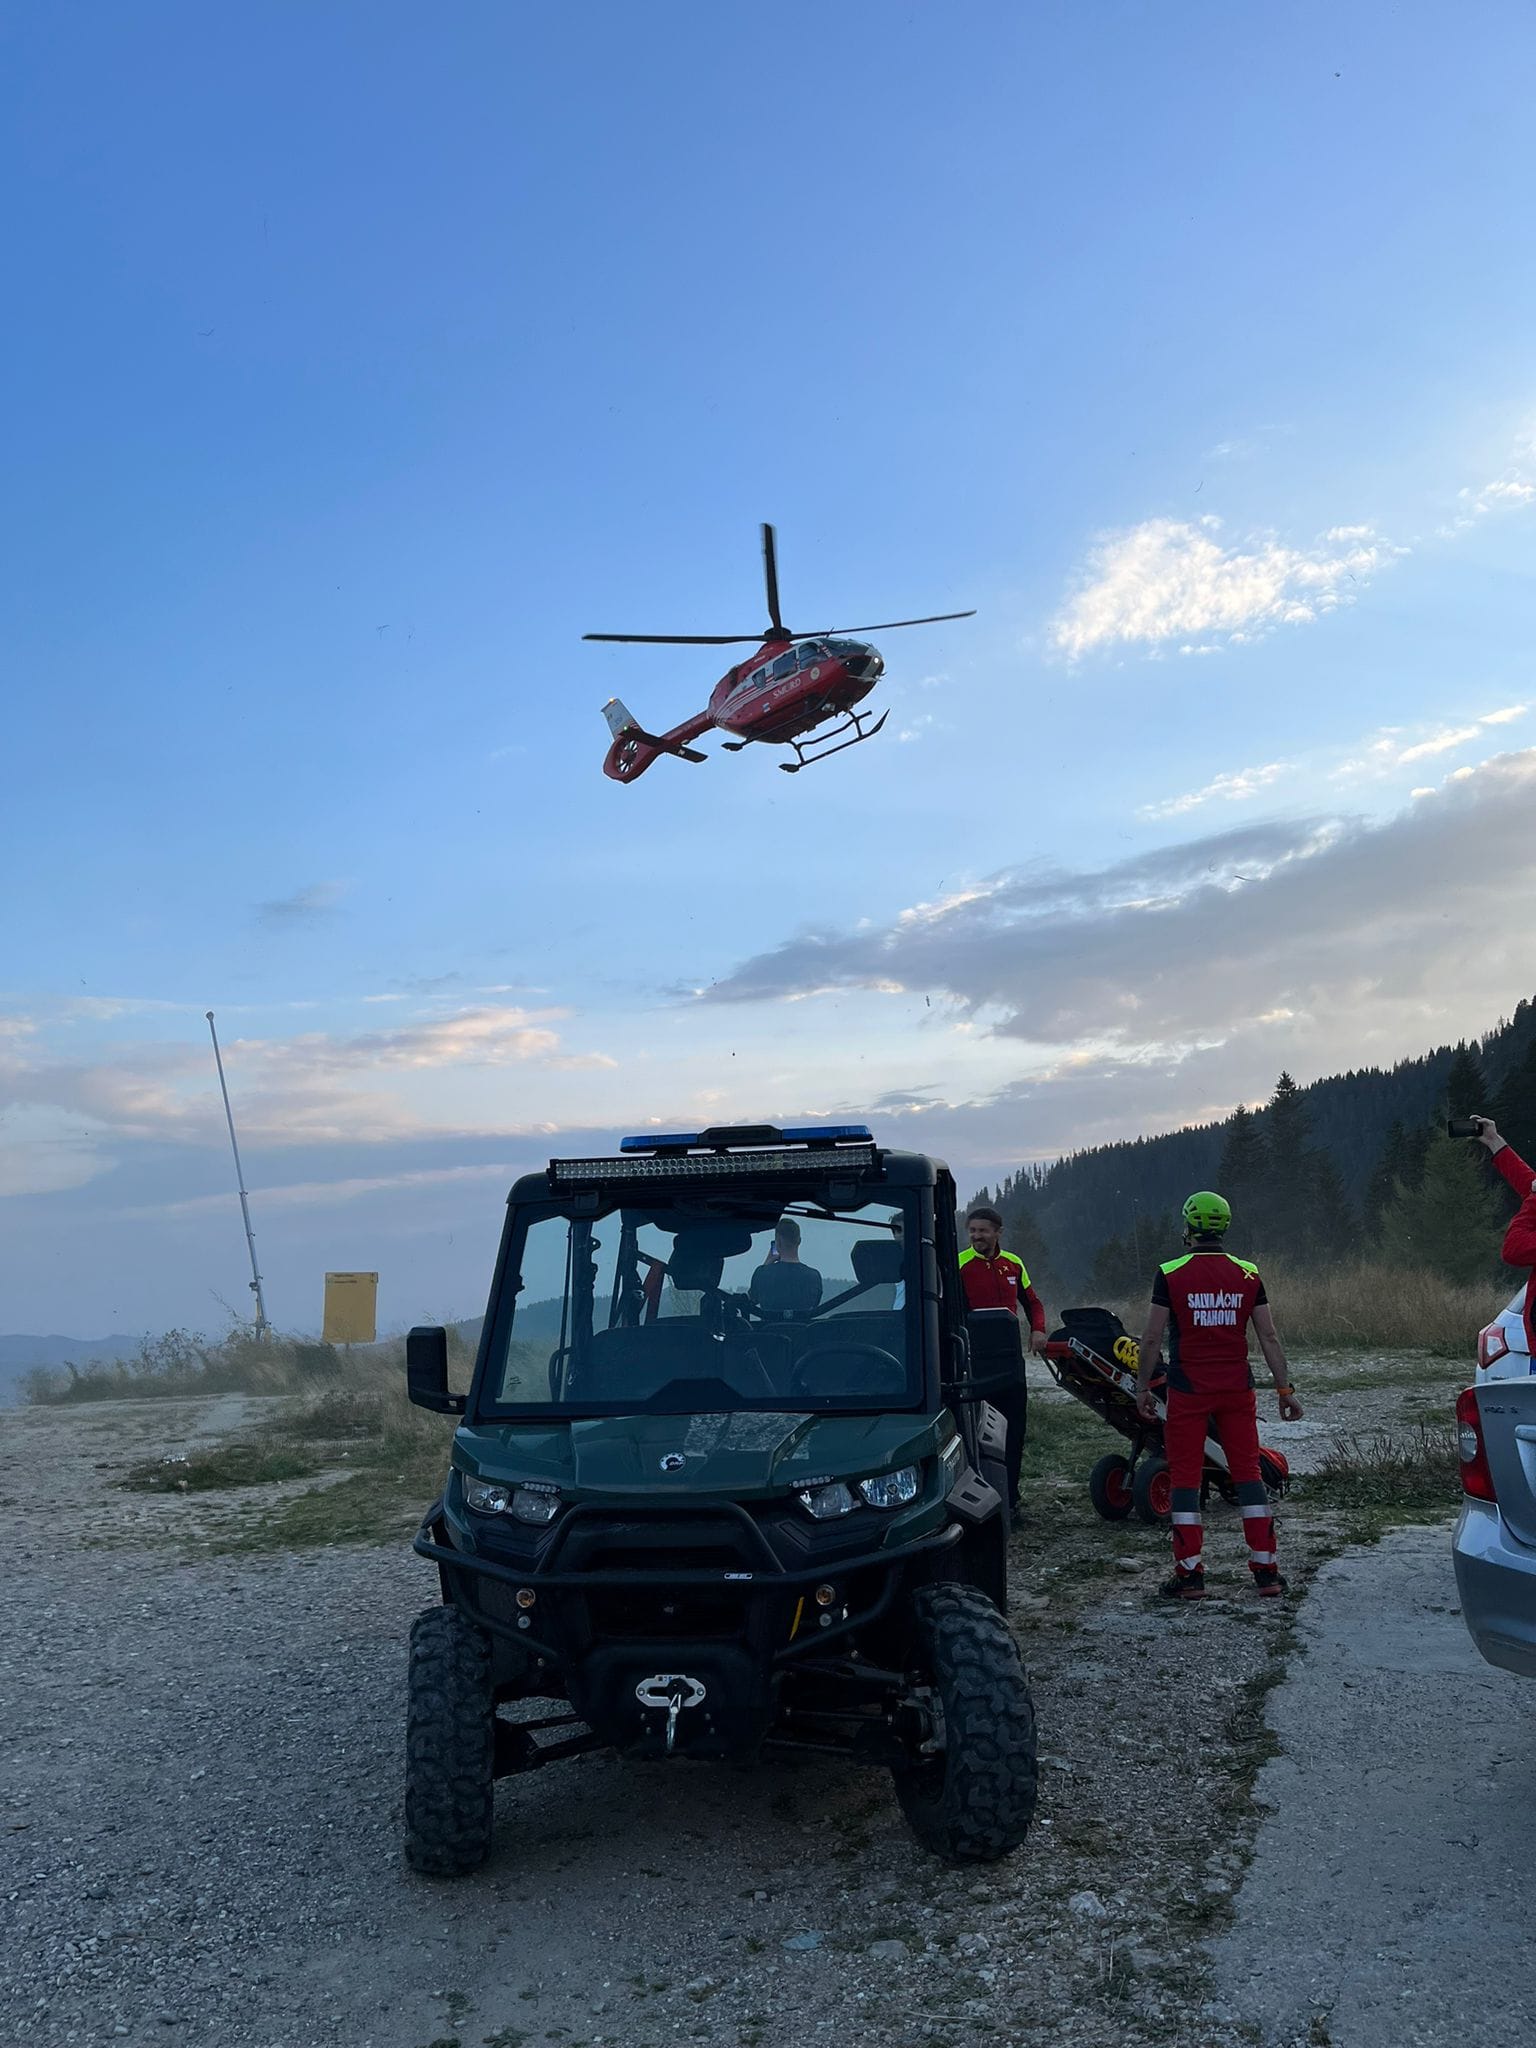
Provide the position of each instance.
(746, 1134)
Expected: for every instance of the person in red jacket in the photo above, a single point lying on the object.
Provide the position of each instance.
(1520, 1239)
(1205, 1301)
(993, 1278)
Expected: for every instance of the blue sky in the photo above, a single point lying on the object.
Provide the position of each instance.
(360, 359)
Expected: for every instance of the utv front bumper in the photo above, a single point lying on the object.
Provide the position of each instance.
(596, 1614)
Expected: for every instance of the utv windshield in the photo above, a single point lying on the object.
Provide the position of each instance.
(705, 1307)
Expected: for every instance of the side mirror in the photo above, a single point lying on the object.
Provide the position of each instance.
(997, 1349)
(426, 1370)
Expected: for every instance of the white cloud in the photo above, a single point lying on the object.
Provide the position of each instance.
(1236, 787)
(312, 1087)
(322, 1193)
(1443, 742)
(1388, 749)
(1168, 580)
(485, 1037)
(1393, 746)
(924, 722)
(1356, 928)
(1511, 491)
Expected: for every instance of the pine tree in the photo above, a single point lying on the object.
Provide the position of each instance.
(1118, 1275)
(1243, 1172)
(1283, 1222)
(1514, 1107)
(1335, 1230)
(1448, 1225)
(1401, 1165)
(1466, 1087)
(1022, 1236)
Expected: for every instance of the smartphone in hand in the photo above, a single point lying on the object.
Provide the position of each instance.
(1465, 1127)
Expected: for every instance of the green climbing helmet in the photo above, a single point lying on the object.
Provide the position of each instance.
(1206, 1214)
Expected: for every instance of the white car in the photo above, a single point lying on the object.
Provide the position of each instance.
(1503, 1352)
(1494, 1547)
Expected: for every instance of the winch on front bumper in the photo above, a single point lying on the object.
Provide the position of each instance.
(702, 1632)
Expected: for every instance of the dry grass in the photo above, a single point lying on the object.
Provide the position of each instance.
(1367, 1306)
(184, 1364)
(396, 1457)
(1404, 1473)
(1375, 1306)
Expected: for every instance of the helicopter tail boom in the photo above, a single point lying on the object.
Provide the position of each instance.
(634, 749)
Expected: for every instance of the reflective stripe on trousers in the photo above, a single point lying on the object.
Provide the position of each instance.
(1233, 1419)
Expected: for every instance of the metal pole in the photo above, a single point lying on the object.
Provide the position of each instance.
(262, 1325)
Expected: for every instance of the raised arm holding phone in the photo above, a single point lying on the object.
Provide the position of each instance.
(1519, 1247)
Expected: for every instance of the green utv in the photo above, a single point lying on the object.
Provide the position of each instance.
(725, 1483)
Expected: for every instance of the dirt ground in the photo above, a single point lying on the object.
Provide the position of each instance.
(201, 1760)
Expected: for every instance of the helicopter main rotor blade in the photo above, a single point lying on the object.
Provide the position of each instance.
(771, 577)
(886, 625)
(681, 639)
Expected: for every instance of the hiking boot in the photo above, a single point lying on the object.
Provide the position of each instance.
(1267, 1581)
(1183, 1586)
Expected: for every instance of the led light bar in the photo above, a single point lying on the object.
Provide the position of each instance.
(753, 1134)
(710, 1165)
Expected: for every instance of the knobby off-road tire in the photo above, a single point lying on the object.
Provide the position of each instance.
(972, 1803)
(449, 1745)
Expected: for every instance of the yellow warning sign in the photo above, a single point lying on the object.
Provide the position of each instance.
(351, 1308)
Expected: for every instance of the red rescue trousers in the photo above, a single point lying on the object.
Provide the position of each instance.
(1233, 1418)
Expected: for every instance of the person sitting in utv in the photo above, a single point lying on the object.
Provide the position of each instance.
(783, 1284)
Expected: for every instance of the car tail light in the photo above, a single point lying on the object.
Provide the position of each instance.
(1476, 1479)
(1491, 1344)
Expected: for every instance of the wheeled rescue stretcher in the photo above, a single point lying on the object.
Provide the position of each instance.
(1093, 1358)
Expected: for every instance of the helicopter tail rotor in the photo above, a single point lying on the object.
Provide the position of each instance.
(634, 749)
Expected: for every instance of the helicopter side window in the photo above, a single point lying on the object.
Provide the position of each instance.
(810, 654)
(784, 666)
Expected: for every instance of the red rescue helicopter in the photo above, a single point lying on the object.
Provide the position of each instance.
(794, 684)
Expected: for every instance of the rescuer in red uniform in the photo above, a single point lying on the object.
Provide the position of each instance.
(1205, 1301)
(1520, 1238)
(993, 1278)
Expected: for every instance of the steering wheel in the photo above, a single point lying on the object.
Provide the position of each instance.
(808, 1358)
(736, 1326)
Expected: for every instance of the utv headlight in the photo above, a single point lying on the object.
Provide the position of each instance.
(891, 1489)
(826, 1503)
(522, 1503)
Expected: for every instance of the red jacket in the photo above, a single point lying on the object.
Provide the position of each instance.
(1520, 1238)
(1000, 1283)
(1210, 1298)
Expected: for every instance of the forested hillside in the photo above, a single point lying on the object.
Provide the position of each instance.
(1351, 1165)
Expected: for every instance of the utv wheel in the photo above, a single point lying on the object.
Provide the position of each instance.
(449, 1745)
(1152, 1490)
(972, 1802)
(1109, 1487)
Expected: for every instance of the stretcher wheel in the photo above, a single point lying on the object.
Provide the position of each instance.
(1152, 1491)
(1109, 1487)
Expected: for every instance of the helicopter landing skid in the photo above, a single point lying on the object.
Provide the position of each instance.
(855, 724)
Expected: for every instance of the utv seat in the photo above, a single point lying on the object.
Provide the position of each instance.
(632, 1365)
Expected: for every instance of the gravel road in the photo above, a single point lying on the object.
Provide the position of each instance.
(200, 1760)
